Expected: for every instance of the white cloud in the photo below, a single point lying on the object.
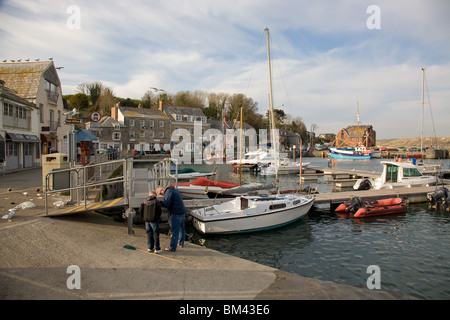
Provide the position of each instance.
(324, 57)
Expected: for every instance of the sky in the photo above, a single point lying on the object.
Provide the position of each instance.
(327, 57)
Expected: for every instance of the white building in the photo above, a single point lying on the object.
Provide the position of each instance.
(19, 131)
(38, 82)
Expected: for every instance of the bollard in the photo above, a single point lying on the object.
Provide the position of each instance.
(129, 214)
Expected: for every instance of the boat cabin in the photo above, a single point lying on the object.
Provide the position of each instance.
(402, 174)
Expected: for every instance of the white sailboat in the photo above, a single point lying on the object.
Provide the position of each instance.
(253, 213)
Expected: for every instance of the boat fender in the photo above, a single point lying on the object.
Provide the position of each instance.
(334, 162)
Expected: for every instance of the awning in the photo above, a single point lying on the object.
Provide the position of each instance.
(86, 135)
(31, 138)
(45, 138)
(16, 137)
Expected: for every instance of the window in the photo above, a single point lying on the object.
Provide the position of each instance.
(391, 173)
(411, 172)
(116, 136)
(132, 134)
(161, 134)
(142, 123)
(131, 122)
(8, 110)
(116, 126)
(161, 123)
(151, 134)
(151, 123)
(41, 112)
(179, 117)
(27, 149)
(277, 206)
(142, 134)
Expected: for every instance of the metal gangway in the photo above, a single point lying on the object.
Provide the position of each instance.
(102, 186)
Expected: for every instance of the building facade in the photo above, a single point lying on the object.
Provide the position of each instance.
(186, 119)
(39, 83)
(353, 136)
(140, 129)
(19, 131)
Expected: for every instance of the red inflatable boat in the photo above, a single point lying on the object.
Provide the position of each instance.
(372, 208)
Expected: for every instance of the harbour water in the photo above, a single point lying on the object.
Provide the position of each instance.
(412, 249)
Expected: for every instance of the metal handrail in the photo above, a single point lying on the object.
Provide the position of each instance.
(161, 170)
(85, 183)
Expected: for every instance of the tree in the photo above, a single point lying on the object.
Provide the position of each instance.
(216, 105)
(79, 101)
(93, 89)
(195, 99)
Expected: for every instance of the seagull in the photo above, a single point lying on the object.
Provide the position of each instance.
(71, 113)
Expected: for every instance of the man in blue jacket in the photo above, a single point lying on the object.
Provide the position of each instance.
(174, 202)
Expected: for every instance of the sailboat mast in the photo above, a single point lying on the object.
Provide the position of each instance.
(421, 131)
(274, 146)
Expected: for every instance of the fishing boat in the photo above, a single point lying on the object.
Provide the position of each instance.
(398, 174)
(253, 213)
(364, 209)
(358, 153)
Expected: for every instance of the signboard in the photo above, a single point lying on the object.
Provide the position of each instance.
(96, 116)
(72, 121)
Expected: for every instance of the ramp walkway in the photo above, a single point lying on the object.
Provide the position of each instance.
(113, 184)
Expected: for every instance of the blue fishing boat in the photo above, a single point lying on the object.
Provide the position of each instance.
(359, 153)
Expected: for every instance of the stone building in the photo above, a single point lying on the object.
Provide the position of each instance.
(352, 136)
(186, 118)
(141, 129)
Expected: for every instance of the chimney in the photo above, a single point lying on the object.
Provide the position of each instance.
(160, 105)
(115, 111)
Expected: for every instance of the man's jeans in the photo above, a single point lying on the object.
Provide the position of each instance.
(177, 221)
(152, 229)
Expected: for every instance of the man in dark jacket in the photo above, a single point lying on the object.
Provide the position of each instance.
(151, 212)
(174, 202)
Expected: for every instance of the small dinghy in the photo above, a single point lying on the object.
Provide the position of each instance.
(363, 209)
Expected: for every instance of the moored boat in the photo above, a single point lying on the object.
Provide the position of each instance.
(398, 174)
(360, 153)
(370, 208)
(251, 213)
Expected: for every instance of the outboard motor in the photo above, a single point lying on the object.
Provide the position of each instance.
(355, 204)
(440, 196)
(365, 185)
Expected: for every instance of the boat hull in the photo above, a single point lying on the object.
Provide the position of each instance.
(376, 208)
(242, 221)
(349, 156)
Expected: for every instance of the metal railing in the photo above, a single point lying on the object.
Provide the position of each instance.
(82, 179)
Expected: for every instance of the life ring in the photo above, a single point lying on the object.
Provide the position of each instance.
(334, 162)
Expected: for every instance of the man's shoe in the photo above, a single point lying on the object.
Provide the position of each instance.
(158, 251)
